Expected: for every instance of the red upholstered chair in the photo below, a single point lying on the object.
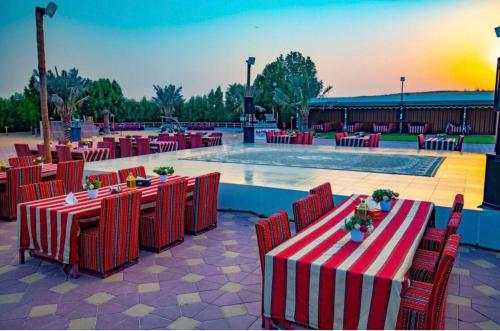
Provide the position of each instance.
(269, 134)
(271, 232)
(126, 149)
(458, 145)
(42, 190)
(41, 149)
(143, 147)
(109, 139)
(22, 161)
(324, 192)
(434, 238)
(306, 211)
(181, 141)
(423, 304)
(136, 171)
(338, 136)
(377, 141)
(201, 212)
(163, 137)
(63, 153)
(115, 242)
(215, 134)
(71, 173)
(109, 145)
(421, 141)
(17, 177)
(80, 144)
(165, 226)
(372, 140)
(299, 138)
(107, 179)
(196, 141)
(22, 150)
(63, 142)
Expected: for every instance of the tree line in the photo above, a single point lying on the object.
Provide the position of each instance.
(285, 85)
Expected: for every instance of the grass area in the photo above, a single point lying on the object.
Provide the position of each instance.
(412, 137)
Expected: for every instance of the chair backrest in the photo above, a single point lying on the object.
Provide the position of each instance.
(170, 209)
(41, 149)
(109, 145)
(458, 204)
(163, 137)
(143, 147)
(437, 304)
(205, 200)
(126, 149)
(453, 224)
(269, 134)
(196, 141)
(17, 177)
(271, 232)
(421, 141)
(181, 141)
(215, 134)
(377, 139)
(89, 143)
(299, 139)
(338, 136)
(372, 139)
(22, 150)
(324, 192)
(109, 139)
(63, 153)
(136, 171)
(119, 229)
(458, 146)
(107, 179)
(42, 190)
(63, 142)
(71, 173)
(310, 140)
(22, 161)
(306, 211)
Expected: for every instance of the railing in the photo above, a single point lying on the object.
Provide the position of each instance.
(231, 125)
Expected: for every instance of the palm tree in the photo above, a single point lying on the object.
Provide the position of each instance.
(168, 98)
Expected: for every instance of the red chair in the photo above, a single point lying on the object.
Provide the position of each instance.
(460, 142)
(164, 137)
(299, 138)
(89, 143)
(71, 173)
(109, 139)
(63, 153)
(41, 149)
(22, 150)
(17, 177)
(63, 142)
(201, 212)
(423, 304)
(377, 142)
(215, 134)
(126, 149)
(107, 179)
(372, 140)
(269, 134)
(324, 192)
(181, 141)
(143, 147)
(22, 161)
(42, 190)
(165, 226)
(196, 141)
(306, 211)
(421, 141)
(115, 242)
(136, 172)
(338, 136)
(214, 141)
(108, 145)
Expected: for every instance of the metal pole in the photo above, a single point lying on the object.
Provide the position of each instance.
(40, 42)
(402, 79)
(497, 83)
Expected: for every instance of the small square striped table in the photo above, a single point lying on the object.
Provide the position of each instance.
(447, 144)
(354, 141)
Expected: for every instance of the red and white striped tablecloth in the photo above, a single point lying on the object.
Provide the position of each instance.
(163, 146)
(51, 226)
(48, 170)
(354, 141)
(90, 154)
(447, 144)
(280, 139)
(322, 279)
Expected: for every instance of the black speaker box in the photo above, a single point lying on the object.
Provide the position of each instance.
(492, 182)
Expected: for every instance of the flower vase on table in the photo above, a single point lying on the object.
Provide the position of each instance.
(384, 197)
(163, 178)
(92, 183)
(92, 193)
(385, 205)
(360, 223)
(164, 172)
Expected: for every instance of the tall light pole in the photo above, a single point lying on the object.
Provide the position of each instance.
(491, 196)
(402, 80)
(248, 129)
(49, 11)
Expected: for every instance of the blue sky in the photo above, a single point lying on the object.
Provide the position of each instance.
(360, 47)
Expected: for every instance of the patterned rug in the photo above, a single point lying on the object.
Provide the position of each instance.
(413, 165)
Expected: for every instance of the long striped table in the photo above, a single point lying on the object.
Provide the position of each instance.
(51, 226)
(354, 141)
(90, 154)
(447, 144)
(280, 139)
(321, 279)
(48, 170)
(163, 146)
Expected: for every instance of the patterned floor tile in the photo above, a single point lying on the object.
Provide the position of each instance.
(232, 287)
(6, 268)
(487, 290)
(86, 323)
(483, 263)
(148, 287)
(64, 288)
(192, 262)
(187, 298)
(138, 310)
(10, 298)
(99, 298)
(32, 278)
(231, 269)
(192, 278)
(184, 323)
(488, 325)
(156, 269)
(43, 310)
(163, 254)
(458, 300)
(234, 310)
(230, 254)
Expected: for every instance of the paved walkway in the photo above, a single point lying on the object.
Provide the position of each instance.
(212, 281)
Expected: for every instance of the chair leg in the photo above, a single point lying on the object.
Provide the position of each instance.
(21, 256)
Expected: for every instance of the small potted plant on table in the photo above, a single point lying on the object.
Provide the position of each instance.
(91, 186)
(38, 160)
(164, 172)
(358, 226)
(384, 198)
(85, 143)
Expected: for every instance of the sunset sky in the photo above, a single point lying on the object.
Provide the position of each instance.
(360, 47)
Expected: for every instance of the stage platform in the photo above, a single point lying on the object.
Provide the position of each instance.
(258, 178)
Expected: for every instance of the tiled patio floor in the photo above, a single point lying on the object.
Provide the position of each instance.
(212, 281)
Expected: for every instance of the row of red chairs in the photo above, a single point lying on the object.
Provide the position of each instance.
(458, 145)
(299, 138)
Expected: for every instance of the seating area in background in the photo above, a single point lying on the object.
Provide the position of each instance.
(283, 137)
(326, 126)
(440, 143)
(200, 126)
(358, 140)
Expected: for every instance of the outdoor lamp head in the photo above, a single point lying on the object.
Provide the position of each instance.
(402, 79)
(251, 60)
(51, 9)
(497, 31)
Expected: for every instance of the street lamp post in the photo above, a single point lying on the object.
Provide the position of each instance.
(491, 196)
(248, 129)
(49, 11)
(274, 85)
(402, 80)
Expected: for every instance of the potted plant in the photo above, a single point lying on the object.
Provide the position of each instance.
(384, 198)
(85, 143)
(358, 226)
(164, 172)
(38, 160)
(91, 186)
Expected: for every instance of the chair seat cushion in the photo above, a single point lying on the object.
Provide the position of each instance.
(413, 308)
(89, 249)
(433, 239)
(424, 265)
(148, 230)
